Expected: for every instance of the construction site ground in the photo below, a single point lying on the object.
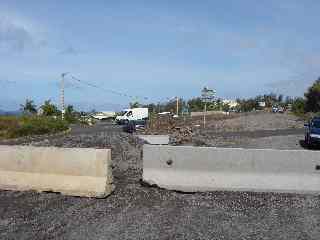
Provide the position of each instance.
(136, 211)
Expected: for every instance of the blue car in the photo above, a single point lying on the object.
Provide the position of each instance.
(312, 133)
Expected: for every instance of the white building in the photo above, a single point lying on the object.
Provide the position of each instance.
(231, 103)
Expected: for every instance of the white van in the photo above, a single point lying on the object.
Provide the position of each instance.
(133, 114)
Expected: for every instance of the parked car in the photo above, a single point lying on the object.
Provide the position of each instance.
(129, 127)
(312, 132)
(275, 109)
(103, 115)
(132, 126)
(280, 110)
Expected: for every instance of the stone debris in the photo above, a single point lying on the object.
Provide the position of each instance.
(181, 135)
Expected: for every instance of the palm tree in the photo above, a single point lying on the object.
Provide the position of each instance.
(49, 109)
(29, 107)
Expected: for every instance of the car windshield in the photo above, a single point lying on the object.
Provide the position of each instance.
(316, 123)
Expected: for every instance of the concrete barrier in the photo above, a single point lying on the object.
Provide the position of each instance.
(155, 139)
(71, 171)
(192, 169)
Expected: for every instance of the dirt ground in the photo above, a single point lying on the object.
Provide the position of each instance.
(259, 130)
(256, 121)
(136, 211)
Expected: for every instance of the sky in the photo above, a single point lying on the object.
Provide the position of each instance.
(151, 51)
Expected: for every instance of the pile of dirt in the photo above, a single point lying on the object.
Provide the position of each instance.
(167, 124)
(178, 132)
(181, 135)
(160, 125)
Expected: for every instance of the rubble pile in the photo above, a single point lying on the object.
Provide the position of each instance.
(179, 132)
(160, 125)
(181, 135)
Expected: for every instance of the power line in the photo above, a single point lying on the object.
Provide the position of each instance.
(107, 90)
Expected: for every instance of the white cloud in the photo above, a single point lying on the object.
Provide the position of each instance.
(18, 34)
(14, 37)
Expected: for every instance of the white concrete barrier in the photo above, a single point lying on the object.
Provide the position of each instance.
(71, 171)
(155, 139)
(192, 169)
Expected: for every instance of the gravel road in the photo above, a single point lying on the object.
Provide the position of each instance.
(135, 211)
(256, 122)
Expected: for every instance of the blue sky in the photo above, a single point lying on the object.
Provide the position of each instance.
(156, 49)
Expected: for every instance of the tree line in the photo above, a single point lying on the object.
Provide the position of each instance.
(299, 105)
(48, 109)
(310, 102)
(197, 104)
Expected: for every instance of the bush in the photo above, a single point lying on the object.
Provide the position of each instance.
(8, 123)
(30, 125)
(312, 103)
(298, 106)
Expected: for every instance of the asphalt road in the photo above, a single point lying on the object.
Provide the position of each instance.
(135, 211)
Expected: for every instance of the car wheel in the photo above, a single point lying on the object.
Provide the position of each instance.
(309, 143)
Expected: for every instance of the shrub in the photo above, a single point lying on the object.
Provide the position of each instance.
(30, 125)
(298, 106)
(8, 123)
(312, 103)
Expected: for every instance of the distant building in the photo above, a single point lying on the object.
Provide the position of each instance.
(231, 103)
(262, 104)
(40, 111)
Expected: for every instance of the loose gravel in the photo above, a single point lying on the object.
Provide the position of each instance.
(256, 122)
(136, 211)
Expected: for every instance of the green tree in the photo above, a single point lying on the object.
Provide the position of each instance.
(134, 104)
(70, 114)
(28, 107)
(196, 104)
(298, 106)
(49, 109)
(247, 105)
(312, 96)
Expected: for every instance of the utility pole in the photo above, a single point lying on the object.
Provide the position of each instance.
(62, 95)
(177, 106)
(204, 115)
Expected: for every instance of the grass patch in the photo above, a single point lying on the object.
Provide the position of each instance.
(306, 116)
(13, 127)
